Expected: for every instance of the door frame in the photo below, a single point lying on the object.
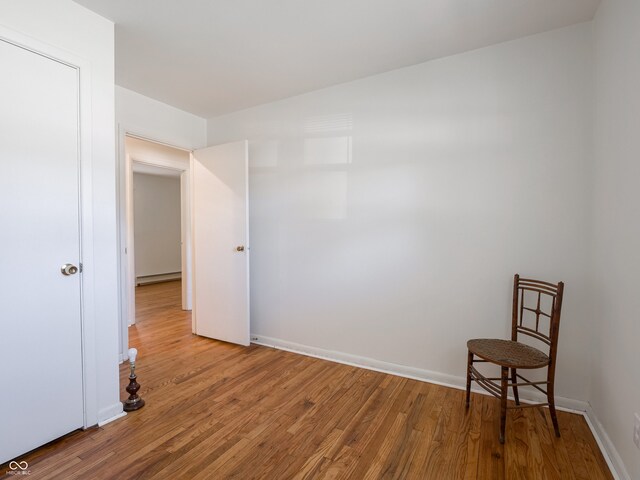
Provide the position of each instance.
(126, 248)
(85, 203)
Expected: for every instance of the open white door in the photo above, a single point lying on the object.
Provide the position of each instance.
(221, 242)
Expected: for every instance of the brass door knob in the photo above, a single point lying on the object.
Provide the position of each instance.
(240, 248)
(68, 269)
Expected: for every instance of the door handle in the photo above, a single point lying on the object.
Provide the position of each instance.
(68, 269)
(240, 248)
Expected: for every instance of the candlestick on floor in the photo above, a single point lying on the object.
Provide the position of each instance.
(134, 402)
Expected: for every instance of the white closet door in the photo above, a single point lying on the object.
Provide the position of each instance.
(220, 240)
(40, 309)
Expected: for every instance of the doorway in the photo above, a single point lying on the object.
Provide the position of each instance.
(157, 224)
(157, 230)
(215, 234)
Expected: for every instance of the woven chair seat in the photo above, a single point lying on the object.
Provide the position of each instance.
(508, 353)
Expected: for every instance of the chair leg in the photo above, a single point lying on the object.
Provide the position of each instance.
(552, 408)
(469, 363)
(503, 401)
(514, 380)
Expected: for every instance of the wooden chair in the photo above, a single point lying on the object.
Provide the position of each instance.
(527, 319)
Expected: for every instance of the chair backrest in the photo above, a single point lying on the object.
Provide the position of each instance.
(536, 311)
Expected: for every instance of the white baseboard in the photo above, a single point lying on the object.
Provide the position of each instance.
(562, 403)
(444, 379)
(110, 414)
(109, 420)
(608, 449)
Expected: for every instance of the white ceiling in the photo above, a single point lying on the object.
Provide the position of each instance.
(210, 57)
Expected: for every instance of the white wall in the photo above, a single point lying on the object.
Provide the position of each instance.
(155, 120)
(68, 26)
(156, 201)
(615, 392)
(388, 215)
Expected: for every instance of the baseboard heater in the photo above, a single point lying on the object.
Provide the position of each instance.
(158, 278)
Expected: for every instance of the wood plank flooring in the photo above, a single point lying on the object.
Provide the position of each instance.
(220, 411)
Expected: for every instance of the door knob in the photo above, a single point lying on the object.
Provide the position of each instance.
(68, 269)
(240, 248)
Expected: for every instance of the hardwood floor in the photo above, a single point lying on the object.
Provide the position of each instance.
(220, 411)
